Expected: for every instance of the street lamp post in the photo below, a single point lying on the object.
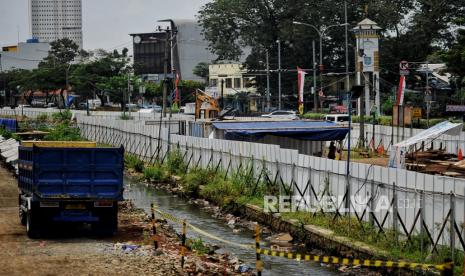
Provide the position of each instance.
(279, 74)
(321, 33)
(268, 92)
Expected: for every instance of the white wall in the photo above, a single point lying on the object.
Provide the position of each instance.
(308, 172)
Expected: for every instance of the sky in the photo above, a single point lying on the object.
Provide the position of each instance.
(106, 23)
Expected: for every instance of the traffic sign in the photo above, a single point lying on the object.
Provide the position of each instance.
(416, 112)
(404, 68)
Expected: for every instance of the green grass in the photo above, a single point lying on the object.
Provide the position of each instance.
(365, 232)
(175, 163)
(198, 246)
(64, 115)
(133, 162)
(154, 173)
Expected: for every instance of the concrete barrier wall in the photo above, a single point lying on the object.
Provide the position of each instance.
(305, 175)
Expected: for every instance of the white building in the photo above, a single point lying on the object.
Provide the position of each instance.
(26, 55)
(56, 19)
(232, 76)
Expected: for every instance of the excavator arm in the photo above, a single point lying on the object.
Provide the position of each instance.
(211, 110)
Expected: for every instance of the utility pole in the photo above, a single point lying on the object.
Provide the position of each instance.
(279, 74)
(315, 98)
(321, 66)
(165, 73)
(129, 93)
(3, 94)
(268, 92)
(347, 51)
(222, 94)
(428, 95)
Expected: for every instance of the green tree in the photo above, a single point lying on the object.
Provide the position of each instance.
(455, 58)
(62, 51)
(201, 70)
(12, 82)
(409, 31)
(53, 71)
(117, 87)
(90, 78)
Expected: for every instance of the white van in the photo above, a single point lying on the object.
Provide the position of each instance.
(337, 118)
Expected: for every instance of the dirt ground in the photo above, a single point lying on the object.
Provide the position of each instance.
(75, 252)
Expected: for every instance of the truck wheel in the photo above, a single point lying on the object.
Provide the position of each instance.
(32, 227)
(22, 216)
(107, 225)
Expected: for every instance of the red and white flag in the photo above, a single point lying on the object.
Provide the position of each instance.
(300, 84)
(401, 91)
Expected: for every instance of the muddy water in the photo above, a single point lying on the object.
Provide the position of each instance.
(180, 208)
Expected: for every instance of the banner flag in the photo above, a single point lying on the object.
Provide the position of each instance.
(401, 91)
(300, 84)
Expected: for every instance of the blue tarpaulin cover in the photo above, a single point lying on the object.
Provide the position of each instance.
(8, 124)
(304, 130)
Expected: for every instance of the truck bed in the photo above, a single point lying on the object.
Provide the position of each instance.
(71, 172)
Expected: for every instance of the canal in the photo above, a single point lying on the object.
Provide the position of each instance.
(143, 196)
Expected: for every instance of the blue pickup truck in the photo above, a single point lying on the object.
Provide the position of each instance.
(74, 182)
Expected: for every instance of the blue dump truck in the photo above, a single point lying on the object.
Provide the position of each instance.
(75, 182)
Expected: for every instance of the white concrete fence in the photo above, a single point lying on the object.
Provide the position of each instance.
(436, 200)
(388, 135)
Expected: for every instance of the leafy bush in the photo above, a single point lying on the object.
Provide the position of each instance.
(387, 105)
(133, 162)
(314, 116)
(198, 246)
(196, 178)
(7, 134)
(385, 120)
(61, 116)
(125, 116)
(63, 132)
(175, 163)
(221, 191)
(154, 173)
(174, 109)
(42, 117)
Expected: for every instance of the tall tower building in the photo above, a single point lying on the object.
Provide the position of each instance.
(56, 19)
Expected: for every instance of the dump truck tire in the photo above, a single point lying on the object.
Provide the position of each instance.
(32, 225)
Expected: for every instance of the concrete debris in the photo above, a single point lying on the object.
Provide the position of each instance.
(281, 239)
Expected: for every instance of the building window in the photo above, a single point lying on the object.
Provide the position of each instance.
(237, 83)
(228, 83)
(213, 82)
(247, 83)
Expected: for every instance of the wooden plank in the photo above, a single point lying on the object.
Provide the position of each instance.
(59, 144)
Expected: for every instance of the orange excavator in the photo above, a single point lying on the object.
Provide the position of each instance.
(206, 107)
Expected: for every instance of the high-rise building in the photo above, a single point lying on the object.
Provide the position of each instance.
(56, 19)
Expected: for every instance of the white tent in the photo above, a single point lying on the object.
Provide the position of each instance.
(397, 156)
